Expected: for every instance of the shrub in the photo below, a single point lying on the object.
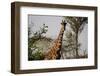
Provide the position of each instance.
(38, 55)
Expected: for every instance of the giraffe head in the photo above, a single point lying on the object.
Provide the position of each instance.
(63, 23)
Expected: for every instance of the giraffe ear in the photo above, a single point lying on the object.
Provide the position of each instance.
(62, 22)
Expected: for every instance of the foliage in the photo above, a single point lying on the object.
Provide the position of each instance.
(38, 55)
(70, 41)
(30, 54)
(36, 35)
(77, 24)
(69, 44)
(39, 34)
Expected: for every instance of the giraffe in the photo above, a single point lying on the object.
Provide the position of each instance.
(55, 51)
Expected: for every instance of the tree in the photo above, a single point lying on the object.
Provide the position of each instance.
(31, 40)
(68, 48)
(77, 24)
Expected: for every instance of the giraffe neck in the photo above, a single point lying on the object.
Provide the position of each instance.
(59, 42)
(60, 36)
(55, 51)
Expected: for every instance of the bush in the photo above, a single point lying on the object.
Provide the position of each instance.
(38, 56)
(30, 54)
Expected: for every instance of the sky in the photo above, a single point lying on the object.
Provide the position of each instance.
(54, 25)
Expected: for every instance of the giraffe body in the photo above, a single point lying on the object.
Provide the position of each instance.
(55, 51)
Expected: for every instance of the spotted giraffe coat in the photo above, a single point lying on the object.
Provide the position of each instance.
(55, 51)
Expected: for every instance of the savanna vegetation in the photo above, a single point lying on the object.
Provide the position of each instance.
(38, 43)
(71, 42)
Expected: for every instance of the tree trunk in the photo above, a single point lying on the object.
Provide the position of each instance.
(77, 55)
